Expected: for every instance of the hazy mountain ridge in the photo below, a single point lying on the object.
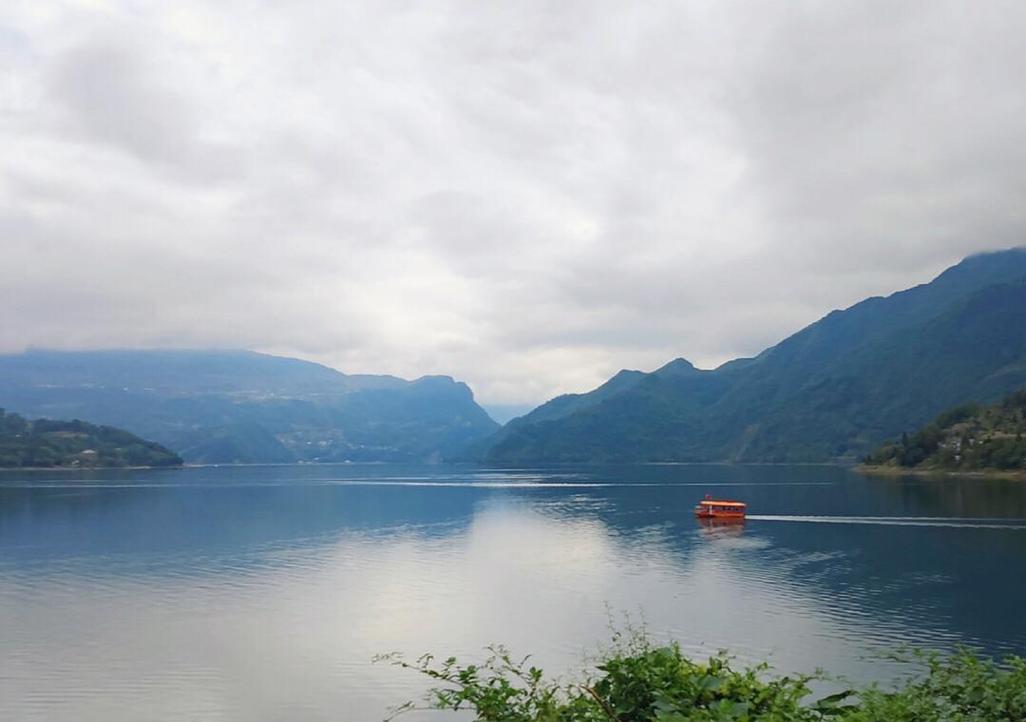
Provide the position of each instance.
(241, 406)
(835, 389)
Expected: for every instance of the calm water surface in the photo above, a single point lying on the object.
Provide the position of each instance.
(262, 593)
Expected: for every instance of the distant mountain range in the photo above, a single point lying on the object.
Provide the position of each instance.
(833, 391)
(246, 407)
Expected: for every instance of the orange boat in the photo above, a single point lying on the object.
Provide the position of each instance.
(710, 508)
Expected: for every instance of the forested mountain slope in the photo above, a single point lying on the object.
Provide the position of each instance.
(74, 444)
(834, 390)
(967, 438)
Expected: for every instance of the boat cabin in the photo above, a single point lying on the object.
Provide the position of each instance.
(720, 509)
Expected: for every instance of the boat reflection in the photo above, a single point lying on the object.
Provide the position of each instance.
(722, 528)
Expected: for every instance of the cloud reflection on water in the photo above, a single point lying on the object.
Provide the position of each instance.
(263, 602)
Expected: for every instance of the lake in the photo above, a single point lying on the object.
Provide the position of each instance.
(262, 593)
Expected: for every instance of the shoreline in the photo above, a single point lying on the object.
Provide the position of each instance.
(893, 471)
(864, 469)
(87, 468)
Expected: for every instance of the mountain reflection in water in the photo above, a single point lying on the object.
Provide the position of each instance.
(263, 592)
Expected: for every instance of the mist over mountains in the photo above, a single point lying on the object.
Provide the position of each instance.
(832, 391)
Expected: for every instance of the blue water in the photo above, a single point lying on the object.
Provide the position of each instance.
(262, 593)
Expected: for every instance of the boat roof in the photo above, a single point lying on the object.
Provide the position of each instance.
(714, 502)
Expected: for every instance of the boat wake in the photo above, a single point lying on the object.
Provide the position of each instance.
(938, 521)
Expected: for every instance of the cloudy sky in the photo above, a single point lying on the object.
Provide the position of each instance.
(525, 195)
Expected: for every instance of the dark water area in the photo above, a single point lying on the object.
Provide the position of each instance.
(262, 593)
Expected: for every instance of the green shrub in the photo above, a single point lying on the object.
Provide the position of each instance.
(641, 682)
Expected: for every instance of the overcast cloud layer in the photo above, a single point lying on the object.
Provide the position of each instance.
(527, 196)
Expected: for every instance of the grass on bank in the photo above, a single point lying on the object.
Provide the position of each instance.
(638, 681)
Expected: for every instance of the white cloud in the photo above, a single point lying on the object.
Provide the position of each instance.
(525, 196)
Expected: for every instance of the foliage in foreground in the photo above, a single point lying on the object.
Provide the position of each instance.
(641, 682)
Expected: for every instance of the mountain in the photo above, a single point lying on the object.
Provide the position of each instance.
(967, 438)
(834, 390)
(246, 407)
(74, 444)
